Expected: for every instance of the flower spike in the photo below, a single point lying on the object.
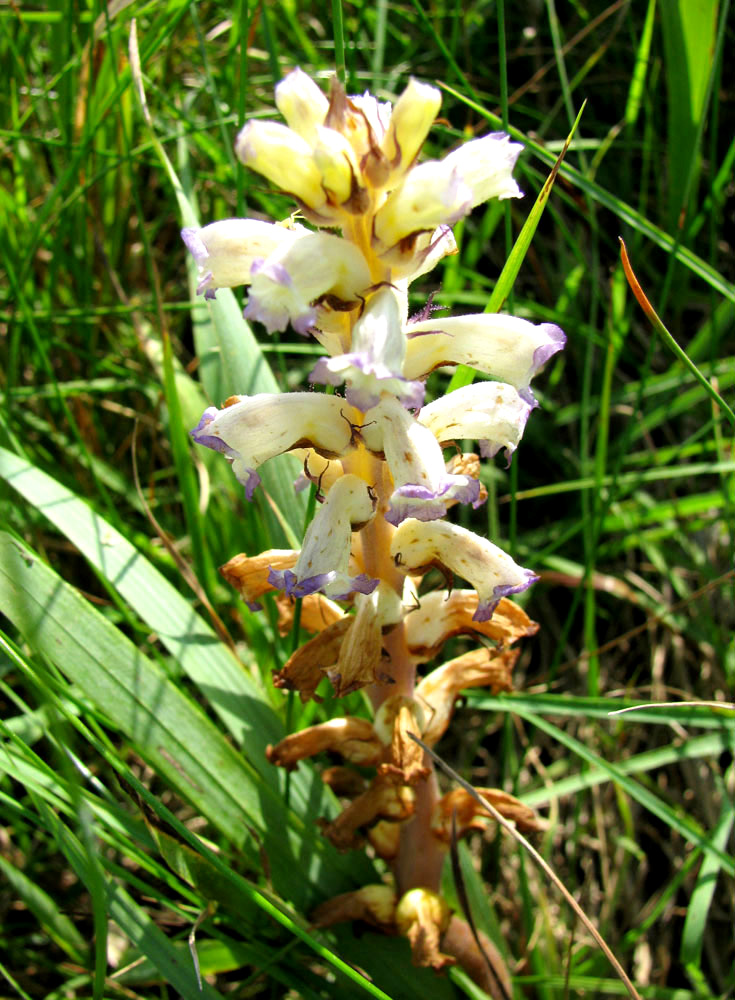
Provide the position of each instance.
(378, 220)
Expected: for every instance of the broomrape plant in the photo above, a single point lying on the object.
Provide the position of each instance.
(375, 456)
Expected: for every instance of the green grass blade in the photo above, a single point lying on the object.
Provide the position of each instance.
(695, 924)
(689, 31)
(56, 924)
(235, 695)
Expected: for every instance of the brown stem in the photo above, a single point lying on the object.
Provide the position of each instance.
(420, 854)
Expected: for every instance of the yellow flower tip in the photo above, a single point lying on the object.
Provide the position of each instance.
(423, 916)
(302, 103)
(285, 158)
(412, 116)
(335, 159)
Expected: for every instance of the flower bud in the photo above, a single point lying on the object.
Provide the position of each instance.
(336, 161)
(411, 118)
(302, 103)
(284, 157)
(422, 916)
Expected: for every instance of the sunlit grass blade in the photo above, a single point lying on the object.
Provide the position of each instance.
(695, 924)
(464, 375)
(167, 729)
(689, 30)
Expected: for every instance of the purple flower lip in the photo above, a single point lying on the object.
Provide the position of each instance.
(287, 581)
(362, 584)
(413, 500)
(209, 440)
(250, 479)
(557, 340)
(485, 610)
(247, 476)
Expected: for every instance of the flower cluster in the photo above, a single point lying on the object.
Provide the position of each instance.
(377, 456)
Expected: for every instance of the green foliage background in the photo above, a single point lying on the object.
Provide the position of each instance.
(135, 798)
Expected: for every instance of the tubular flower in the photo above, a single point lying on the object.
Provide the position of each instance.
(323, 564)
(492, 413)
(225, 251)
(509, 348)
(285, 287)
(417, 546)
(440, 193)
(378, 219)
(423, 487)
(249, 430)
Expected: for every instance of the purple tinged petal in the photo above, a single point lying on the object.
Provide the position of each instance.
(292, 586)
(485, 610)
(209, 441)
(194, 244)
(362, 583)
(414, 500)
(323, 374)
(556, 342)
(250, 479)
(274, 270)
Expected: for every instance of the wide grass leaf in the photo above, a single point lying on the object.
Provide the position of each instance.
(165, 727)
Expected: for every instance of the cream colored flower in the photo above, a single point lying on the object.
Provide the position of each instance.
(251, 429)
(418, 545)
